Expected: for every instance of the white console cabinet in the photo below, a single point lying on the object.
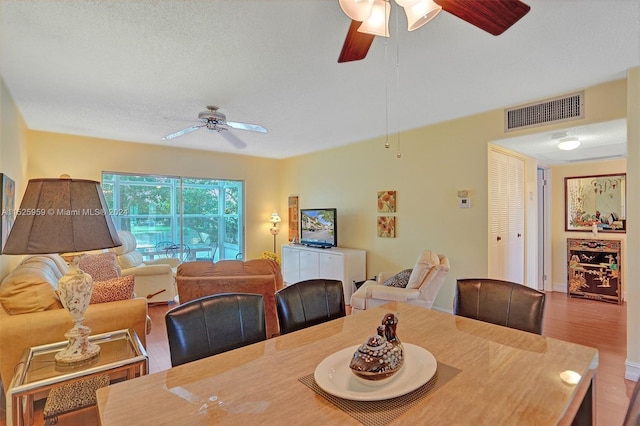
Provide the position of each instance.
(300, 263)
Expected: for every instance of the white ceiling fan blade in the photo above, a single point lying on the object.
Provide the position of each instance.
(233, 139)
(182, 132)
(246, 126)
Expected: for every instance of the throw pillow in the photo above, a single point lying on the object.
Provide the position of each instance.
(101, 267)
(112, 290)
(398, 280)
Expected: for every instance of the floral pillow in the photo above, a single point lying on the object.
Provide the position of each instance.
(101, 266)
(112, 290)
(401, 279)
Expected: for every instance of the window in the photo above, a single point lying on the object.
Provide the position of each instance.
(195, 218)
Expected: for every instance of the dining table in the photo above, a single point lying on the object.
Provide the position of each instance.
(457, 371)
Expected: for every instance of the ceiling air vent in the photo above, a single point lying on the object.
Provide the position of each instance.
(554, 110)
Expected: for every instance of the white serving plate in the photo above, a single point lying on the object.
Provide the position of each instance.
(334, 376)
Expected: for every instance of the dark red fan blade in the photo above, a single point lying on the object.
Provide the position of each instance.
(492, 16)
(356, 44)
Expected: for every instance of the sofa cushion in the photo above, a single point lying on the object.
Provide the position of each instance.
(401, 279)
(112, 290)
(427, 260)
(101, 266)
(31, 286)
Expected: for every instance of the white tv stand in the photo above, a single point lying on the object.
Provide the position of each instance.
(300, 263)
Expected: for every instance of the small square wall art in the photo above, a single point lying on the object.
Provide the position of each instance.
(387, 226)
(386, 201)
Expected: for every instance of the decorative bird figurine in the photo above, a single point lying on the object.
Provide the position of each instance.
(382, 355)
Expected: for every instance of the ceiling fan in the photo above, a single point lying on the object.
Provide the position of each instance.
(370, 17)
(213, 120)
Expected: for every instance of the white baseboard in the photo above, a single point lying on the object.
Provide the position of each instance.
(632, 371)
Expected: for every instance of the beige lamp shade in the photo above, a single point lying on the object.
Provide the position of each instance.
(60, 216)
(419, 12)
(378, 21)
(358, 10)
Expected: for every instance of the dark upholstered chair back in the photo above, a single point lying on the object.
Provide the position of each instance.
(500, 302)
(214, 324)
(632, 418)
(308, 303)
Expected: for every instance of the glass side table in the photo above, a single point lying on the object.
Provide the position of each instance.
(121, 355)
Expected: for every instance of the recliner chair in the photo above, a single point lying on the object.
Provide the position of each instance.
(424, 283)
(500, 302)
(214, 324)
(155, 279)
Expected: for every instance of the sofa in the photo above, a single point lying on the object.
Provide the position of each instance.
(155, 279)
(31, 313)
(417, 286)
(259, 276)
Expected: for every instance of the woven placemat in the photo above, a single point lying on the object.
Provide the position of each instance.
(380, 413)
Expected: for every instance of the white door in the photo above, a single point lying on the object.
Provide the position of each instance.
(506, 217)
(515, 240)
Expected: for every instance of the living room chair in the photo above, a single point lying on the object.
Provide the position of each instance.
(308, 303)
(417, 286)
(214, 324)
(500, 302)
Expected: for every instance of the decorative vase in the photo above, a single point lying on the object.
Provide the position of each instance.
(381, 356)
(74, 290)
(594, 230)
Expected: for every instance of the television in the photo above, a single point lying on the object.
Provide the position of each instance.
(319, 227)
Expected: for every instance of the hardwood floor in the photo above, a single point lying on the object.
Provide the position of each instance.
(597, 324)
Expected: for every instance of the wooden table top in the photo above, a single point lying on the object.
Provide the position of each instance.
(506, 377)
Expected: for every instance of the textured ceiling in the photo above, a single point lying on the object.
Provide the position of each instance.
(138, 70)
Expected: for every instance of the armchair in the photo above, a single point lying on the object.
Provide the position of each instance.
(425, 280)
(155, 279)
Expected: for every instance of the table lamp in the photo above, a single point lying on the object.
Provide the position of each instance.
(274, 219)
(60, 216)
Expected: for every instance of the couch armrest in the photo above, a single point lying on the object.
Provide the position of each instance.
(396, 294)
(19, 332)
(148, 270)
(171, 261)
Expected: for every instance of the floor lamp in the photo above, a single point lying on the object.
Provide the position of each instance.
(274, 219)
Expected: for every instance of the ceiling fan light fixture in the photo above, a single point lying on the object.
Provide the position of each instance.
(568, 144)
(419, 12)
(358, 10)
(378, 22)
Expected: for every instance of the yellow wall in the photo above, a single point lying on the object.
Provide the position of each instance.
(51, 155)
(633, 221)
(13, 157)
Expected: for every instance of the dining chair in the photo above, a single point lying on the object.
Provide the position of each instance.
(500, 302)
(308, 303)
(632, 417)
(214, 324)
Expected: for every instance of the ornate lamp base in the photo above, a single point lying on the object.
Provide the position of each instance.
(74, 289)
(80, 349)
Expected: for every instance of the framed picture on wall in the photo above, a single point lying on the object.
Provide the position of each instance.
(597, 201)
(8, 206)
